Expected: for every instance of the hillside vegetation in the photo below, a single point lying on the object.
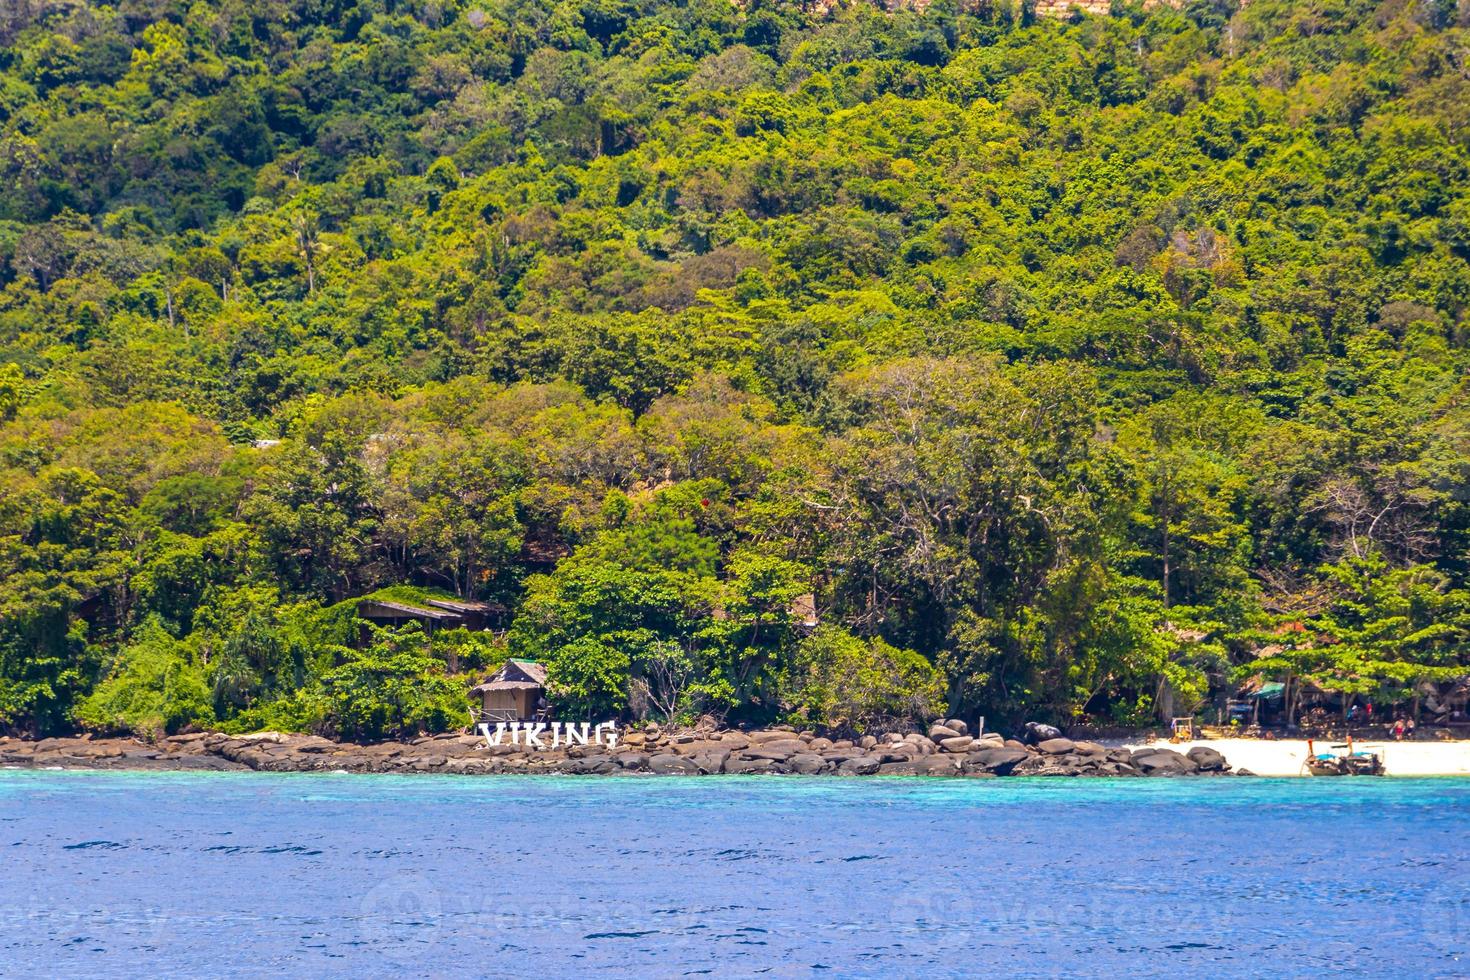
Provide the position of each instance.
(1075, 368)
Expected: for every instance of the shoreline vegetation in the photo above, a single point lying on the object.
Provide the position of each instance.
(820, 364)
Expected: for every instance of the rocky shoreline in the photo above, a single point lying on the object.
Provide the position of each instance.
(947, 750)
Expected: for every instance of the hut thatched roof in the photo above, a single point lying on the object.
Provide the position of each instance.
(516, 675)
(505, 686)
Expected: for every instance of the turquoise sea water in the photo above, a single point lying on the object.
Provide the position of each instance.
(210, 874)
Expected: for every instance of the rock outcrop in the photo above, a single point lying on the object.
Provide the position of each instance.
(953, 753)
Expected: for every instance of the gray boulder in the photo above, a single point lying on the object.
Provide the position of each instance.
(749, 767)
(938, 765)
(710, 762)
(957, 743)
(1057, 746)
(672, 765)
(921, 744)
(790, 746)
(775, 751)
(1035, 733)
(863, 766)
(999, 761)
(1164, 762)
(1207, 759)
(588, 766)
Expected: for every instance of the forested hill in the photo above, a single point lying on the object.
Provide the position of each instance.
(1074, 367)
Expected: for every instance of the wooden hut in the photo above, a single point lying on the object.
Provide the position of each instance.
(432, 614)
(513, 694)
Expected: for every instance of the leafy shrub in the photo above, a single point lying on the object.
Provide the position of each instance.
(393, 688)
(841, 682)
(155, 688)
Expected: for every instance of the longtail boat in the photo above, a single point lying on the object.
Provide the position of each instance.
(1343, 760)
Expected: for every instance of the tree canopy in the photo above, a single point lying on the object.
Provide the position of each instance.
(828, 363)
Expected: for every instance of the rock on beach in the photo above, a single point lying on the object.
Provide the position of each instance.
(650, 751)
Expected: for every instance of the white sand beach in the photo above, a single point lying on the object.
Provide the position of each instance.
(1284, 757)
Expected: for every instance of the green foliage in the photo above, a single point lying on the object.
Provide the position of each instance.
(393, 688)
(1079, 356)
(1386, 631)
(843, 683)
(588, 678)
(155, 687)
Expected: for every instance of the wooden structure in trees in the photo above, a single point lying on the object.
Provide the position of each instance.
(513, 694)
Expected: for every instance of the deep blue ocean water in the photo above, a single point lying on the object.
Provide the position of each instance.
(213, 874)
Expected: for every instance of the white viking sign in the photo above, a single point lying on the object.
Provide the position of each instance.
(550, 735)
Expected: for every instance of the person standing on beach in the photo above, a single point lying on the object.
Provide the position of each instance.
(1398, 730)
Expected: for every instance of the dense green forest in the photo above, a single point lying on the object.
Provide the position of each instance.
(1077, 368)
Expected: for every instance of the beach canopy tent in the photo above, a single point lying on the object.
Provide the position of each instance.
(512, 694)
(1260, 700)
